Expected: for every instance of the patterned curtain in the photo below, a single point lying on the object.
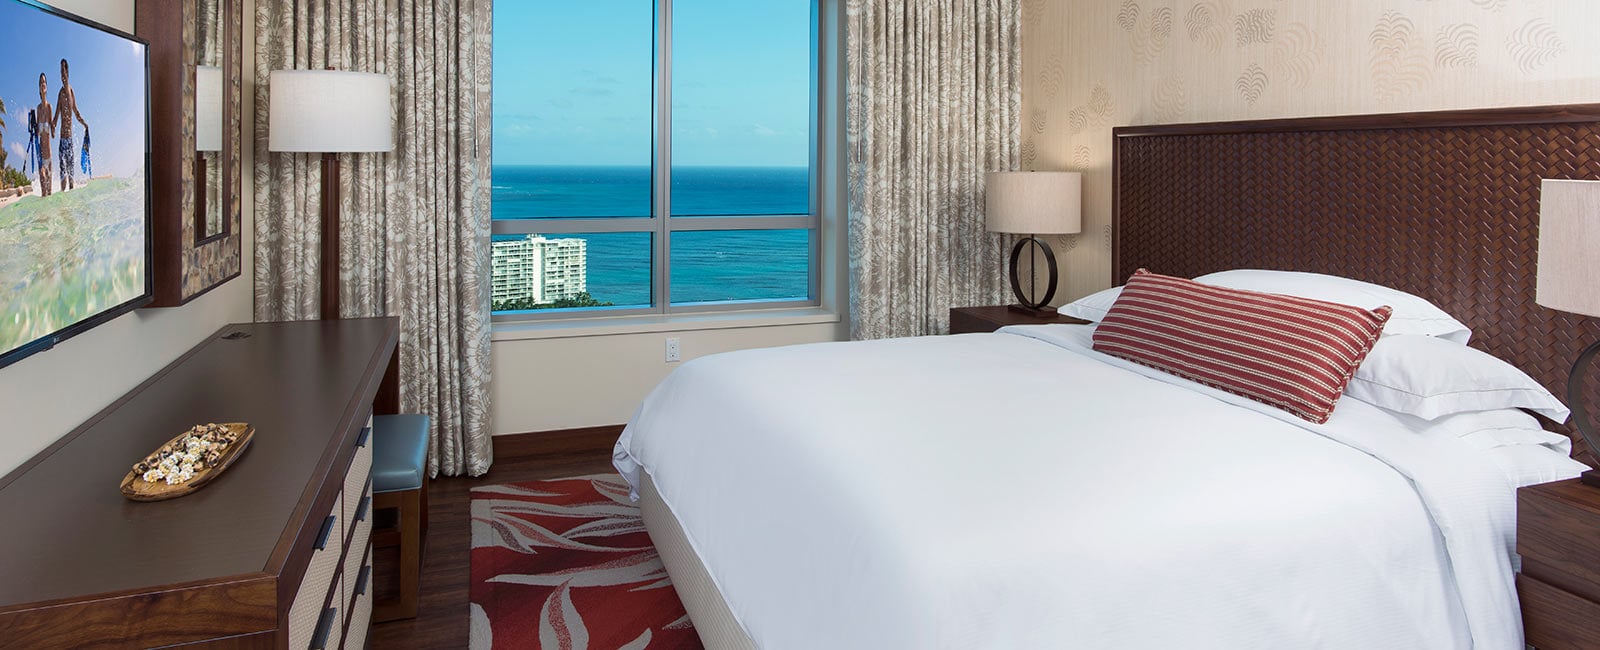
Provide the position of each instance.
(415, 222)
(933, 102)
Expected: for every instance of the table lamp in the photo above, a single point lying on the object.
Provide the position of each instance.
(1034, 203)
(330, 112)
(1569, 254)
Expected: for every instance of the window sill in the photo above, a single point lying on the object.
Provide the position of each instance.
(621, 325)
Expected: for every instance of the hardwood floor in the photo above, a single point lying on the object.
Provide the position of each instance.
(441, 620)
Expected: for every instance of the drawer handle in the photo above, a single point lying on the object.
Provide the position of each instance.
(366, 432)
(361, 510)
(327, 530)
(361, 579)
(324, 629)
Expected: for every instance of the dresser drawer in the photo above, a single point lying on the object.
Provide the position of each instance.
(1558, 537)
(1554, 619)
(329, 629)
(319, 580)
(360, 525)
(359, 589)
(355, 482)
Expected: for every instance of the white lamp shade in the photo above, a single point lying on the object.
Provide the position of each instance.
(208, 108)
(329, 111)
(1569, 246)
(1035, 203)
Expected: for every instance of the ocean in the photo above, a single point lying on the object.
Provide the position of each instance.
(707, 266)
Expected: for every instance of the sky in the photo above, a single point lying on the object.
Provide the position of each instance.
(572, 82)
(107, 74)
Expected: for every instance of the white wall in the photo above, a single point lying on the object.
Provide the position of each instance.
(46, 395)
(567, 383)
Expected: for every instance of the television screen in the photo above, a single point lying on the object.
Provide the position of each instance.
(74, 209)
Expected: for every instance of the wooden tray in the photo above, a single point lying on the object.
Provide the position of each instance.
(136, 488)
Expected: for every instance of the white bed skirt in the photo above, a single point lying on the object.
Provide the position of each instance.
(713, 621)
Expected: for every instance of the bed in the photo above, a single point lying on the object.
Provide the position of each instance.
(1020, 489)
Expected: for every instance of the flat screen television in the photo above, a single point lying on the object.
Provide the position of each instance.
(74, 192)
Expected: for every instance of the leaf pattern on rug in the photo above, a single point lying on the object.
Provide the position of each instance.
(618, 492)
(626, 571)
(567, 564)
(561, 626)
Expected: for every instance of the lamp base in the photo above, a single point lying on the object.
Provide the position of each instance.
(1580, 409)
(1036, 312)
(1027, 300)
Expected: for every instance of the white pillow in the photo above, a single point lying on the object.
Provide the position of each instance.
(1432, 377)
(1499, 428)
(1412, 315)
(1526, 465)
(1092, 307)
(1525, 453)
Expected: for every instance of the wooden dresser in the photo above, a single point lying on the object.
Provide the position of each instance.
(274, 554)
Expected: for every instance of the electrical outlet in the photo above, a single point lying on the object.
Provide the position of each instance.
(672, 350)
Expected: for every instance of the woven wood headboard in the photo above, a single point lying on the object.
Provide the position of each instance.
(1444, 205)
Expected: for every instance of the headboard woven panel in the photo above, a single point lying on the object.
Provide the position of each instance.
(1443, 205)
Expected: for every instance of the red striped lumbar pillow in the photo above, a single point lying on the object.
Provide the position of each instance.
(1293, 353)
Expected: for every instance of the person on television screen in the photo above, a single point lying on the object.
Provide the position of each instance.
(46, 120)
(67, 108)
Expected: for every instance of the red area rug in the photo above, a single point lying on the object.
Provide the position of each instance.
(566, 564)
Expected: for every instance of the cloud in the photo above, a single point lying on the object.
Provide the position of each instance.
(17, 150)
(560, 102)
(590, 91)
(762, 130)
(711, 132)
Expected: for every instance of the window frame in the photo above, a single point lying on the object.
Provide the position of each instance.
(661, 224)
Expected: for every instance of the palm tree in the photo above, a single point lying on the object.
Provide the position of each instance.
(3, 153)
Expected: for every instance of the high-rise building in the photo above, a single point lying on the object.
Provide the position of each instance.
(516, 271)
(537, 270)
(566, 268)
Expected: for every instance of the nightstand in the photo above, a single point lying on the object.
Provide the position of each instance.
(969, 320)
(1558, 537)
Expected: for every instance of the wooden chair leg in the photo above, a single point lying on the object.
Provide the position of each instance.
(412, 505)
(424, 492)
(410, 552)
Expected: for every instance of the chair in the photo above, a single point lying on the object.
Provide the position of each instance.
(400, 483)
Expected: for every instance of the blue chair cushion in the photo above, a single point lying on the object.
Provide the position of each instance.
(399, 452)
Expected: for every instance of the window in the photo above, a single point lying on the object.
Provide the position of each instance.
(654, 156)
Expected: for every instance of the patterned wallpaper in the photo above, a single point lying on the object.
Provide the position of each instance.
(1090, 65)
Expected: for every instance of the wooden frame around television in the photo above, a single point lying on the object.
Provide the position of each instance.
(185, 266)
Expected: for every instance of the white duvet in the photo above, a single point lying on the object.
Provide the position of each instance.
(1019, 490)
